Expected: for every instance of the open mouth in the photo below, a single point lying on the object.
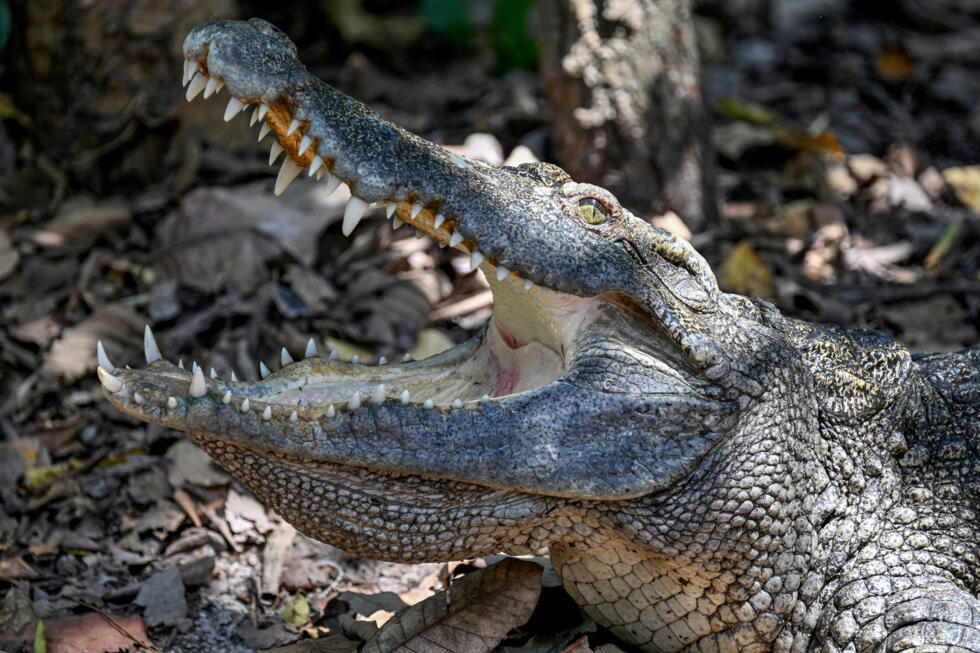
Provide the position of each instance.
(530, 340)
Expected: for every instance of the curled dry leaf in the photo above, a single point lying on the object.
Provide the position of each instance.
(482, 608)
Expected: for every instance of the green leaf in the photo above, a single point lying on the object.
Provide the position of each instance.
(40, 638)
(449, 18)
(510, 35)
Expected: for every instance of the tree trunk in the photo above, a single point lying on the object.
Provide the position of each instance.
(623, 80)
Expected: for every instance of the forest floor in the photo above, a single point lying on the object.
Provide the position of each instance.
(848, 153)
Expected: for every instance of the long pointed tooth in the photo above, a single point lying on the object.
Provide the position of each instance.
(355, 401)
(294, 417)
(457, 403)
(198, 385)
(390, 209)
(255, 117)
(214, 374)
(355, 359)
(287, 173)
(405, 397)
(310, 349)
(407, 358)
(528, 284)
(226, 399)
(304, 144)
(274, 152)
(428, 403)
(267, 413)
(439, 219)
(382, 361)
(138, 398)
(485, 397)
(293, 126)
(264, 131)
(416, 209)
(330, 411)
(333, 183)
(104, 361)
(263, 370)
(150, 349)
(109, 382)
(180, 363)
(198, 82)
(285, 357)
(193, 366)
(378, 396)
(320, 172)
(419, 234)
(334, 355)
(315, 165)
(356, 208)
(190, 67)
(475, 259)
(455, 239)
(502, 273)
(235, 107)
(171, 402)
(263, 109)
(396, 222)
(234, 377)
(245, 406)
(213, 86)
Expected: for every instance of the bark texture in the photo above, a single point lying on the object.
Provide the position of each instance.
(622, 77)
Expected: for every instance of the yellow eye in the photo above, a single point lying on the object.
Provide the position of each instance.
(593, 211)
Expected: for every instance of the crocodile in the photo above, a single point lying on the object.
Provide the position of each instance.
(705, 473)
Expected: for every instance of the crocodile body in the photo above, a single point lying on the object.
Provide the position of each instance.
(706, 473)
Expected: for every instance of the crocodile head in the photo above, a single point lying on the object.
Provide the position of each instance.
(605, 373)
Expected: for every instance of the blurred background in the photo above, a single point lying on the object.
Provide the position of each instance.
(823, 155)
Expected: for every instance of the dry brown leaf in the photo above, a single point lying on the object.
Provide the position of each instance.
(745, 273)
(966, 182)
(73, 354)
(484, 606)
(96, 633)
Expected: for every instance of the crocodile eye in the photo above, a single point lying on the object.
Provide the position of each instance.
(593, 211)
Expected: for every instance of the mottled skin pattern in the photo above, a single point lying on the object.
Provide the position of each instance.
(706, 473)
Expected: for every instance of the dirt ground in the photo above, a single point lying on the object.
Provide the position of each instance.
(848, 151)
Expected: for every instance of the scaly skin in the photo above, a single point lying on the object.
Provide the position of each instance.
(706, 473)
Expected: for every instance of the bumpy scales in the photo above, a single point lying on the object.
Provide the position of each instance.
(706, 473)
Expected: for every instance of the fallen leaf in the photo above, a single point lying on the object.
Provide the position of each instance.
(966, 183)
(745, 273)
(162, 597)
(482, 608)
(894, 64)
(332, 644)
(189, 464)
(73, 354)
(96, 633)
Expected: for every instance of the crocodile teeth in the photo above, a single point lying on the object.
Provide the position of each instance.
(255, 117)
(457, 403)
(428, 403)
(287, 173)
(190, 68)
(355, 401)
(245, 406)
(475, 259)
(274, 152)
(416, 209)
(528, 284)
(171, 403)
(330, 411)
(193, 366)
(150, 349)
(263, 109)
(304, 144)
(502, 273)
(315, 165)
(356, 208)
(267, 413)
(319, 173)
(382, 361)
(214, 374)
(405, 397)
(390, 209)
(334, 355)
(455, 239)
(235, 107)
(407, 358)
(333, 183)
(197, 85)
(293, 126)
(355, 359)
(180, 363)
(485, 397)
(263, 370)
(419, 233)
(378, 396)
(138, 398)
(198, 385)
(213, 86)
(234, 377)
(226, 399)
(294, 417)
(264, 131)
(440, 218)
(109, 382)
(310, 349)
(100, 354)
(396, 223)
(285, 357)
